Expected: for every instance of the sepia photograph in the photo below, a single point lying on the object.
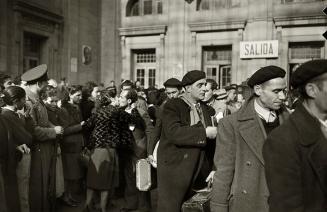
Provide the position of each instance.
(163, 105)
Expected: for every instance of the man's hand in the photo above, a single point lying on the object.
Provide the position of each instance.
(209, 179)
(211, 132)
(59, 130)
(23, 149)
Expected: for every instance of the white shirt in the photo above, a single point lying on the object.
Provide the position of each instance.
(264, 113)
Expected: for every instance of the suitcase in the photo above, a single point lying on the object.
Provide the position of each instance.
(143, 175)
(198, 203)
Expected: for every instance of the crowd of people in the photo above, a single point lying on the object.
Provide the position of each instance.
(252, 152)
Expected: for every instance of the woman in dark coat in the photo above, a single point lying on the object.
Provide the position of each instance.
(103, 168)
(16, 178)
(73, 141)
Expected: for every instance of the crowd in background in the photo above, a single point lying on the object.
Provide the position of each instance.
(89, 138)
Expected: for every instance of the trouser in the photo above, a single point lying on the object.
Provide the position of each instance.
(134, 198)
(23, 180)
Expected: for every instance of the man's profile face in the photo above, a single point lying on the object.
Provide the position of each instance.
(95, 92)
(321, 96)
(272, 93)
(209, 93)
(172, 92)
(76, 97)
(231, 95)
(122, 99)
(198, 90)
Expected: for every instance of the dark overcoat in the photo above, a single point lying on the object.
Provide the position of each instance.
(43, 150)
(73, 142)
(180, 148)
(296, 164)
(239, 183)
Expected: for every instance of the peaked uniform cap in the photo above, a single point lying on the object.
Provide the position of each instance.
(35, 74)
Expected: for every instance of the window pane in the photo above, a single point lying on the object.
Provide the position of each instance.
(159, 7)
(146, 58)
(147, 7)
(140, 76)
(308, 50)
(205, 5)
(226, 75)
(152, 77)
(135, 11)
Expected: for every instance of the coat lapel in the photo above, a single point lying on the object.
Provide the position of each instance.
(251, 129)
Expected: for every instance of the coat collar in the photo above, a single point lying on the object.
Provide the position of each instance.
(252, 129)
(307, 126)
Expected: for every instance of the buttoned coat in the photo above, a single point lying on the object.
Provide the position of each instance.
(179, 153)
(239, 183)
(43, 150)
(296, 165)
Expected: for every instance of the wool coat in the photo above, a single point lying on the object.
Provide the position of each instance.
(239, 183)
(179, 153)
(43, 151)
(73, 141)
(296, 164)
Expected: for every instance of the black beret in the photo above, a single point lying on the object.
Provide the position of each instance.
(173, 82)
(307, 71)
(264, 74)
(193, 76)
(36, 74)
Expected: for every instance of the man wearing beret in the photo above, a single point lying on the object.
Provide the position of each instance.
(44, 135)
(182, 163)
(296, 152)
(239, 183)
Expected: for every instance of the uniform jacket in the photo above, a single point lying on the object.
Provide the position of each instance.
(239, 183)
(296, 165)
(43, 151)
(179, 153)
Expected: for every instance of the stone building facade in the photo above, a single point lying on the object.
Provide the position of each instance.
(76, 39)
(228, 39)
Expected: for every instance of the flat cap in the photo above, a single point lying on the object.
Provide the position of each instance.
(193, 76)
(35, 74)
(221, 94)
(308, 71)
(264, 74)
(173, 82)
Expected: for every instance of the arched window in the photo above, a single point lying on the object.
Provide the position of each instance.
(143, 7)
(133, 8)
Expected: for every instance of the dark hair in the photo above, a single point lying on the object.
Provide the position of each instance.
(74, 89)
(126, 83)
(213, 84)
(3, 78)
(48, 91)
(13, 94)
(132, 95)
(153, 97)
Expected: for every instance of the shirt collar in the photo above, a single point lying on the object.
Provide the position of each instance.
(9, 108)
(323, 123)
(264, 113)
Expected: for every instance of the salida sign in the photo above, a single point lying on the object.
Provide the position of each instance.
(259, 49)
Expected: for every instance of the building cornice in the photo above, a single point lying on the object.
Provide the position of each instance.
(37, 11)
(217, 26)
(300, 21)
(143, 30)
